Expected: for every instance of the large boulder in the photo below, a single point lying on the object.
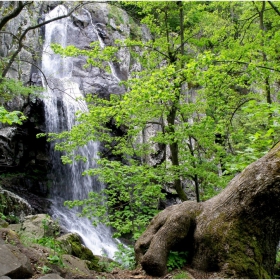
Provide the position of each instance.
(36, 227)
(72, 244)
(13, 207)
(75, 268)
(13, 263)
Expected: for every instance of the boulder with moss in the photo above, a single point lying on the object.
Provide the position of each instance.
(12, 207)
(72, 244)
(37, 226)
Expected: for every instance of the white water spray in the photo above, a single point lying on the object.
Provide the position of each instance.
(63, 100)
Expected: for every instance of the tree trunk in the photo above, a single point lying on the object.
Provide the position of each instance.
(233, 235)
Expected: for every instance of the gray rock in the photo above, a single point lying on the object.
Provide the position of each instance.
(33, 227)
(13, 263)
(51, 276)
(75, 267)
(3, 223)
(14, 206)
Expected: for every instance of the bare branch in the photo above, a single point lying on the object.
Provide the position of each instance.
(22, 37)
(14, 13)
(238, 107)
(274, 7)
(247, 64)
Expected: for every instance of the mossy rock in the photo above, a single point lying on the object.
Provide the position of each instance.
(9, 236)
(71, 243)
(3, 223)
(13, 207)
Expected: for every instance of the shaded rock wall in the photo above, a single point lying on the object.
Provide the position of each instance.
(24, 159)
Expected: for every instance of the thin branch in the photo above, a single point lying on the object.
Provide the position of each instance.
(255, 16)
(9, 33)
(22, 37)
(45, 78)
(274, 7)
(33, 64)
(238, 107)
(14, 13)
(149, 47)
(247, 64)
(185, 41)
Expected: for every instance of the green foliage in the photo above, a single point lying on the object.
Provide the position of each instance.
(125, 256)
(130, 200)
(45, 269)
(51, 243)
(176, 260)
(11, 117)
(9, 89)
(209, 88)
(181, 275)
(55, 259)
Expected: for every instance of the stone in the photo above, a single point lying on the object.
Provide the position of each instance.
(13, 263)
(75, 267)
(71, 243)
(33, 227)
(14, 207)
(51, 276)
(3, 223)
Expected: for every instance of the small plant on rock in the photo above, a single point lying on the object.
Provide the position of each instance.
(181, 275)
(45, 269)
(176, 260)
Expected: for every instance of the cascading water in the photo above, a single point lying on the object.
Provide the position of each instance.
(61, 103)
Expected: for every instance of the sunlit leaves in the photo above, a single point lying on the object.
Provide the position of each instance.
(14, 117)
(222, 88)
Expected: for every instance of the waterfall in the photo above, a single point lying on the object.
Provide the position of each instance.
(62, 100)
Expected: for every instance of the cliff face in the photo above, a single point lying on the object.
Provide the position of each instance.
(24, 159)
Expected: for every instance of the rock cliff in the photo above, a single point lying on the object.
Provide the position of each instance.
(24, 159)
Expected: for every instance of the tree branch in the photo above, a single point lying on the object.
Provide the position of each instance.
(22, 37)
(14, 13)
(247, 64)
(238, 107)
(274, 8)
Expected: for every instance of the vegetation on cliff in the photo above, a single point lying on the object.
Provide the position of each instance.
(203, 106)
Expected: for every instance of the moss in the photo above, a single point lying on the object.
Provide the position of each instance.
(234, 249)
(116, 14)
(135, 30)
(83, 253)
(3, 223)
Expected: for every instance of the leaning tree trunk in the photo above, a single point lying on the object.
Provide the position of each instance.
(233, 235)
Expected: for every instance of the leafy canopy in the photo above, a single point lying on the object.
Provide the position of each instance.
(204, 106)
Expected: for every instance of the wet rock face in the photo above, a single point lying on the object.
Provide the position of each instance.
(23, 157)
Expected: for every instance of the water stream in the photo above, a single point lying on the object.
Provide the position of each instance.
(61, 104)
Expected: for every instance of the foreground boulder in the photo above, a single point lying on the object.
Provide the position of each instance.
(233, 235)
(72, 244)
(13, 263)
